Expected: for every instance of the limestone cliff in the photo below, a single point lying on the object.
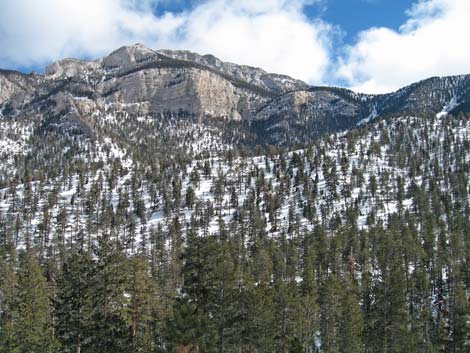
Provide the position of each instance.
(269, 108)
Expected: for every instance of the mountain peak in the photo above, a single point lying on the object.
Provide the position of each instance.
(128, 55)
(123, 57)
(137, 79)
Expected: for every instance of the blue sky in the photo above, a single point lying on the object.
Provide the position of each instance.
(348, 13)
(367, 45)
(352, 16)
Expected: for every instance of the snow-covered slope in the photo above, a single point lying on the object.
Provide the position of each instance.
(358, 178)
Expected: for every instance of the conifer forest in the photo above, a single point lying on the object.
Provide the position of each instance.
(150, 236)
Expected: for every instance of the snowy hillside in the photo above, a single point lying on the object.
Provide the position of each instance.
(164, 201)
(361, 177)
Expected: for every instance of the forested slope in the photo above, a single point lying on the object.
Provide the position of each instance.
(358, 242)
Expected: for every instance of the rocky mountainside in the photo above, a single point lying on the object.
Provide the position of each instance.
(255, 76)
(267, 108)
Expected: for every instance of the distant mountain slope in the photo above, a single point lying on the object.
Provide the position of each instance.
(266, 108)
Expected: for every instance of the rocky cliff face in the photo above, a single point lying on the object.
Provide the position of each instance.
(199, 92)
(274, 108)
(252, 75)
(16, 85)
(160, 83)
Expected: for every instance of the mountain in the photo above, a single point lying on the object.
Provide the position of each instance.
(164, 201)
(269, 108)
(252, 75)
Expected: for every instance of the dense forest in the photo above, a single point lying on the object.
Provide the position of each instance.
(126, 240)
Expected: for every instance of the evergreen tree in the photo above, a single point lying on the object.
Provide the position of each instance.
(350, 321)
(111, 329)
(32, 326)
(329, 314)
(8, 296)
(141, 289)
(74, 306)
(187, 329)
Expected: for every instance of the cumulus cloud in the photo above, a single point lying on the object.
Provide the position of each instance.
(273, 34)
(36, 32)
(431, 43)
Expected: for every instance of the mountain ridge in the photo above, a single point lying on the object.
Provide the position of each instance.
(276, 109)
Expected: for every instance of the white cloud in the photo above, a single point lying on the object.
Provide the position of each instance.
(273, 34)
(432, 42)
(36, 32)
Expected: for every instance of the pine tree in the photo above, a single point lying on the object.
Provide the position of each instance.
(190, 197)
(309, 311)
(111, 331)
(350, 321)
(32, 327)
(460, 316)
(397, 336)
(329, 314)
(141, 289)
(262, 318)
(8, 296)
(295, 346)
(74, 307)
(186, 330)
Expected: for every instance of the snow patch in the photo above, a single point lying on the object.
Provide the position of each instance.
(371, 117)
(448, 107)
